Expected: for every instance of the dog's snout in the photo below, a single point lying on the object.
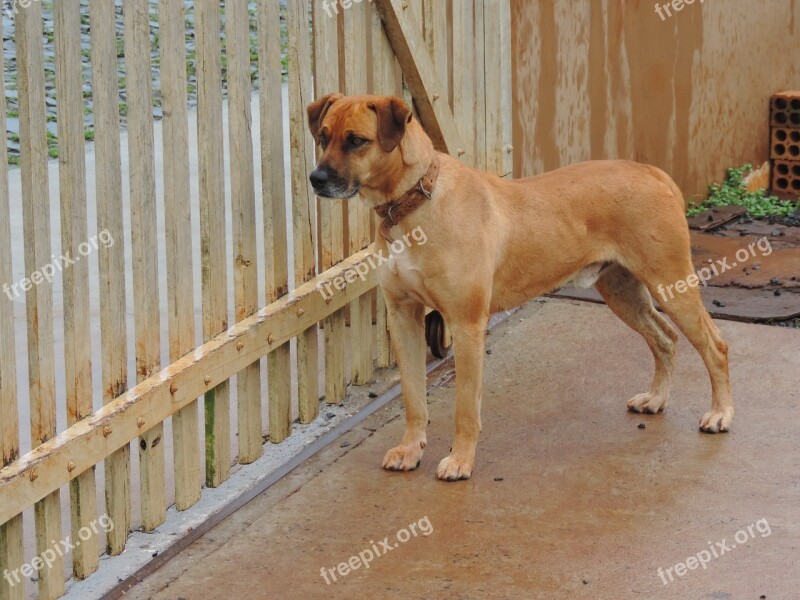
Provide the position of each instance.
(319, 177)
(328, 183)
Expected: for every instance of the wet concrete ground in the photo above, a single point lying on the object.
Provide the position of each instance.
(570, 498)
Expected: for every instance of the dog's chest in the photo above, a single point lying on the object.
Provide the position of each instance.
(403, 276)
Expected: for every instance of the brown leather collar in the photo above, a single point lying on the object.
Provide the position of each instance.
(391, 212)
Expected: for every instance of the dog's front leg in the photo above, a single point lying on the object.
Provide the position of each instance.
(406, 325)
(469, 341)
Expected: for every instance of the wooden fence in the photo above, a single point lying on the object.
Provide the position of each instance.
(451, 57)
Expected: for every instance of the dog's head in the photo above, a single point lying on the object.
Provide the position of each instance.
(359, 137)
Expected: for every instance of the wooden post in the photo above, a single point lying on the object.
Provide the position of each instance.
(178, 225)
(77, 330)
(274, 202)
(39, 298)
(108, 191)
(303, 213)
(212, 228)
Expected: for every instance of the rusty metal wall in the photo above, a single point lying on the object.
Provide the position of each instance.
(687, 91)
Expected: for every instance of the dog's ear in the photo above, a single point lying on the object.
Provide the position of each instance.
(393, 116)
(317, 110)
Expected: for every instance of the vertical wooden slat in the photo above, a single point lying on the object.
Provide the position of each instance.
(243, 208)
(77, 340)
(178, 217)
(144, 248)
(274, 202)
(436, 39)
(331, 212)
(384, 83)
(355, 56)
(303, 213)
(39, 298)
(108, 191)
(212, 228)
(479, 92)
(464, 76)
(497, 69)
(11, 535)
(417, 9)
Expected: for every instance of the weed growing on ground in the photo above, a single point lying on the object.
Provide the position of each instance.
(733, 191)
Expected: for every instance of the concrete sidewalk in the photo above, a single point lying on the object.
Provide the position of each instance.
(570, 497)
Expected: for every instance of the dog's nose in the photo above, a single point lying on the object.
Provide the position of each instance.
(318, 178)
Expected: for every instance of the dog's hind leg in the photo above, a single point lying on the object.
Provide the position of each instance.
(629, 299)
(408, 339)
(688, 313)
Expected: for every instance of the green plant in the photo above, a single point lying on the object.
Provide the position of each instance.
(733, 192)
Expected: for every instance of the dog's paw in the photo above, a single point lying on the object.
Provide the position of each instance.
(403, 458)
(647, 403)
(454, 468)
(715, 421)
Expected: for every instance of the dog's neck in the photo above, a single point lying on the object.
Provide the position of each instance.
(416, 153)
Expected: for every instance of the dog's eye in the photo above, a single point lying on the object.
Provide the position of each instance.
(356, 142)
(323, 141)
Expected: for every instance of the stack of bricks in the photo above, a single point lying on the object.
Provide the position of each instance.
(784, 148)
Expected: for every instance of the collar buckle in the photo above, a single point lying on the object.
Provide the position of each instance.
(421, 189)
(389, 214)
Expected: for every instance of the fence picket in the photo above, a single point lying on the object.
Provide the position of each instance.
(243, 209)
(39, 297)
(274, 201)
(178, 225)
(144, 247)
(108, 191)
(11, 546)
(331, 212)
(384, 82)
(77, 332)
(355, 74)
(303, 213)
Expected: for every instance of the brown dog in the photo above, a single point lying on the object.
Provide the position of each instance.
(493, 243)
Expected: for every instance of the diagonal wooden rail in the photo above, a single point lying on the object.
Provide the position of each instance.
(64, 457)
(427, 89)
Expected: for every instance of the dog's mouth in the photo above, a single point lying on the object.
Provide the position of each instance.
(337, 191)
